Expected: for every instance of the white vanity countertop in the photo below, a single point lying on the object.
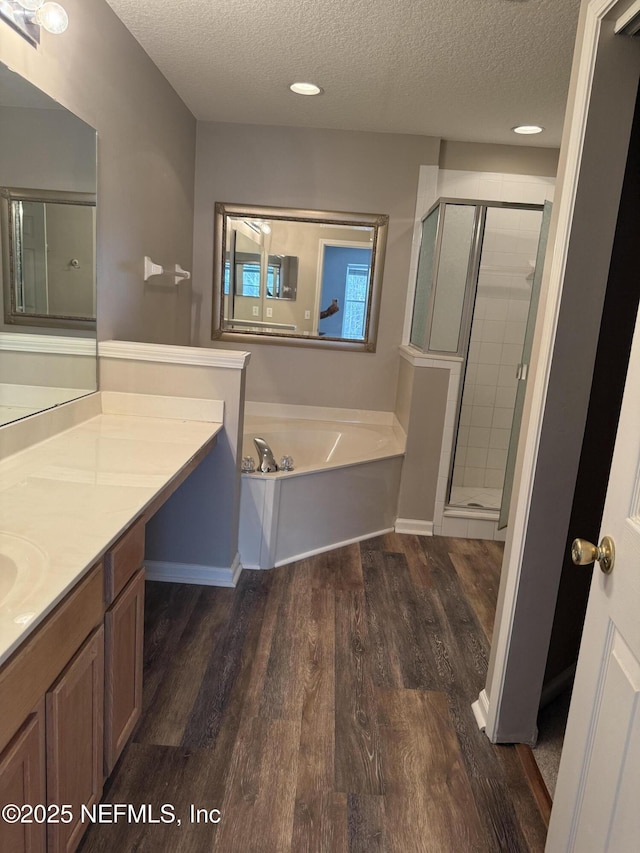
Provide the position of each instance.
(65, 501)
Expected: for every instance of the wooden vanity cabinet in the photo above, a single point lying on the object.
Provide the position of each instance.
(22, 782)
(51, 710)
(74, 713)
(70, 698)
(124, 630)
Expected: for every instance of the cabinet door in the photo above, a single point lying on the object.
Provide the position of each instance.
(74, 708)
(22, 782)
(124, 628)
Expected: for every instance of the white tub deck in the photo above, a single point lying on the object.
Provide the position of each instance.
(344, 487)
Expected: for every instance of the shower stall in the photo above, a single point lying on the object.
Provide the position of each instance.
(476, 298)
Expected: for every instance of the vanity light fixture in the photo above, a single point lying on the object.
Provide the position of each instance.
(528, 129)
(50, 16)
(305, 89)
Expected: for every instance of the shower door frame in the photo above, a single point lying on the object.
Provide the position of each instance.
(473, 262)
(471, 287)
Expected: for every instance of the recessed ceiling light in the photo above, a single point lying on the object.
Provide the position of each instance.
(527, 129)
(305, 88)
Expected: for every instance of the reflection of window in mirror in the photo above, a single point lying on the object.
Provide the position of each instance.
(346, 273)
(247, 277)
(355, 301)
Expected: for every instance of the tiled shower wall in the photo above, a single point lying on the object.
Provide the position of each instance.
(495, 349)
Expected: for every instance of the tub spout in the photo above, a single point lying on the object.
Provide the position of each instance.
(266, 461)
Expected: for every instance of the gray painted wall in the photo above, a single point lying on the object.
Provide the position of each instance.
(565, 412)
(146, 141)
(60, 153)
(513, 159)
(421, 406)
(326, 170)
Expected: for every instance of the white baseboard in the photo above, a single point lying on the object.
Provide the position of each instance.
(157, 570)
(480, 710)
(332, 547)
(414, 525)
(253, 567)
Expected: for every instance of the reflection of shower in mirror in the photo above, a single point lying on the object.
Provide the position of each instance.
(49, 257)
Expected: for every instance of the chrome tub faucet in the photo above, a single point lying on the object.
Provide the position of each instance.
(266, 461)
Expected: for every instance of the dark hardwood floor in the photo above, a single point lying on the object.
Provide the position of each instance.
(325, 706)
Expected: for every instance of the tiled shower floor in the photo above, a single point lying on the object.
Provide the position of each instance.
(475, 497)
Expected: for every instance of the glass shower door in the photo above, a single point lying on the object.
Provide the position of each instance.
(443, 286)
(503, 295)
(424, 278)
(523, 368)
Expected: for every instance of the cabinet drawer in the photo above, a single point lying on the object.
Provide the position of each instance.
(26, 677)
(123, 560)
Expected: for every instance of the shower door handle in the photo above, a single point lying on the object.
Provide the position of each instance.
(521, 372)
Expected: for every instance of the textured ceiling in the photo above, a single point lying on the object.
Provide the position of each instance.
(458, 69)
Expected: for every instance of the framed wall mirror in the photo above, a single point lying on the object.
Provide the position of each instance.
(301, 277)
(48, 171)
(48, 251)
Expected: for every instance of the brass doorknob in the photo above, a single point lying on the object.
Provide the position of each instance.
(584, 553)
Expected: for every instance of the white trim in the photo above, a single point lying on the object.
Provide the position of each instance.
(201, 356)
(51, 344)
(416, 526)
(473, 514)
(333, 546)
(157, 570)
(157, 406)
(627, 17)
(424, 359)
(480, 710)
(555, 263)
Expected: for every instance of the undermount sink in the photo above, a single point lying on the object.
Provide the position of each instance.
(22, 565)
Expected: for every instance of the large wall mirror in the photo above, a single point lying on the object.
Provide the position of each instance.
(303, 277)
(48, 248)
